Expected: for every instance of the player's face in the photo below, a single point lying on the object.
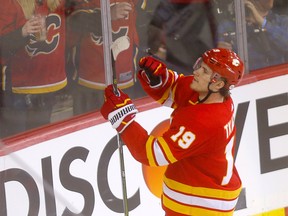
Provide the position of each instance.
(202, 78)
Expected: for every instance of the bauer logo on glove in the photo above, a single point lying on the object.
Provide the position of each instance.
(116, 116)
(119, 110)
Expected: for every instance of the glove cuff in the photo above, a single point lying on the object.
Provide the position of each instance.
(126, 121)
(118, 116)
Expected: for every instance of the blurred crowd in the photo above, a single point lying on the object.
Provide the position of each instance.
(52, 50)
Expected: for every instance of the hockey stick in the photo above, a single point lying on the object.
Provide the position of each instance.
(117, 46)
(111, 51)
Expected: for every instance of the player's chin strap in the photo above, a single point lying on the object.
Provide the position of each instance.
(208, 94)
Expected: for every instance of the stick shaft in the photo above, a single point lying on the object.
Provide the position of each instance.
(123, 176)
(110, 72)
(120, 144)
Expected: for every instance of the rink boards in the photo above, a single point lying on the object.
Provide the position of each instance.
(73, 167)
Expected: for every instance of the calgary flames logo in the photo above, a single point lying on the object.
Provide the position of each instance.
(53, 22)
(123, 31)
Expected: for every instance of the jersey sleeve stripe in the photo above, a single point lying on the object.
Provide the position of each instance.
(150, 152)
(166, 149)
(164, 97)
(158, 152)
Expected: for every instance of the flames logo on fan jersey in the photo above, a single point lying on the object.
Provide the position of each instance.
(98, 40)
(53, 22)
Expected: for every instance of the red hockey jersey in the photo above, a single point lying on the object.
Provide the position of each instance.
(38, 67)
(91, 69)
(198, 148)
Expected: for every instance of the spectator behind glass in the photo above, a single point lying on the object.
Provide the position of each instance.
(180, 31)
(87, 51)
(267, 34)
(33, 69)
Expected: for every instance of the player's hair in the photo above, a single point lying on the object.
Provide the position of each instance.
(225, 92)
(28, 6)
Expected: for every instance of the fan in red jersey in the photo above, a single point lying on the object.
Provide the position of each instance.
(201, 178)
(33, 62)
(89, 62)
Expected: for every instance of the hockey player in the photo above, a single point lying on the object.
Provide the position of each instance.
(201, 178)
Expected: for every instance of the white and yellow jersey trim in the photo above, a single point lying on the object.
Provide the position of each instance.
(186, 199)
(158, 152)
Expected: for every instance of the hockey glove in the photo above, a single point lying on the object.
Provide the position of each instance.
(154, 72)
(119, 110)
